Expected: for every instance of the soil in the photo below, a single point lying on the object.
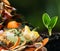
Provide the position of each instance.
(54, 42)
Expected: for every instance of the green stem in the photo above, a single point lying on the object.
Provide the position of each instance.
(50, 32)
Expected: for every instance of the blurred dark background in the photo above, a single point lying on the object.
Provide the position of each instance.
(32, 10)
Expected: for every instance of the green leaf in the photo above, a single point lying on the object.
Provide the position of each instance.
(46, 19)
(53, 22)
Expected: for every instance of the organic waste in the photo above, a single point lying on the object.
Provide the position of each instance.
(14, 35)
(19, 39)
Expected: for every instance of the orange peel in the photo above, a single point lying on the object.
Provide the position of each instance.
(44, 41)
(12, 24)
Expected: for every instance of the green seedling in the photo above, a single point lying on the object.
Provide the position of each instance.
(49, 22)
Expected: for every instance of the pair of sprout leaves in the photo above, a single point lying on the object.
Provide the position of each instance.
(49, 22)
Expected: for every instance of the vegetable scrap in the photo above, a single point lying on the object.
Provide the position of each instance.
(13, 35)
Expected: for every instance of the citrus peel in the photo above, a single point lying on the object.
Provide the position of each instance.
(12, 24)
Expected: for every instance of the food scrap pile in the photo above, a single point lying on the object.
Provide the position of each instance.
(14, 36)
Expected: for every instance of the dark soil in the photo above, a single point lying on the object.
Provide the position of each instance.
(54, 42)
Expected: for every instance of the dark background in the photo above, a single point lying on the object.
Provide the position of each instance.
(33, 10)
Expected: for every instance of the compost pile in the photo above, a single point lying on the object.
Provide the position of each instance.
(15, 35)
